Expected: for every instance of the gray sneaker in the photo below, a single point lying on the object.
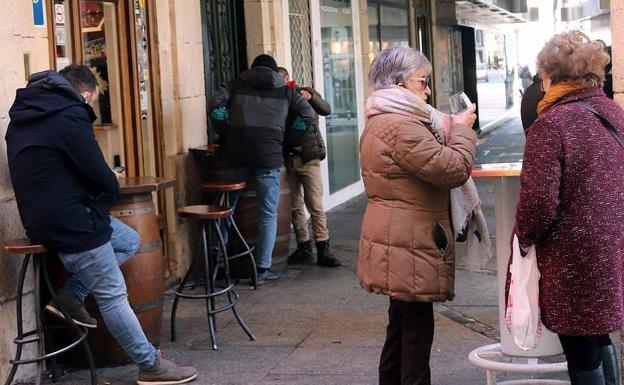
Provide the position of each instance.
(165, 372)
(267, 277)
(72, 305)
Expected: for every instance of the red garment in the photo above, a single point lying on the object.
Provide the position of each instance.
(292, 84)
(571, 207)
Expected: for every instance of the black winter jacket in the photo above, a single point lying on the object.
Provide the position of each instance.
(258, 104)
(58, 171)
(312, 144)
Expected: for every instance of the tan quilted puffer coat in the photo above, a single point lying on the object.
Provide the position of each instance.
(406, 246)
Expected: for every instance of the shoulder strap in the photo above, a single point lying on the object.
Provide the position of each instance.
(604, 121)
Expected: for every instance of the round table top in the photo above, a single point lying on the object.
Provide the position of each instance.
(144, 184)
(497, 170)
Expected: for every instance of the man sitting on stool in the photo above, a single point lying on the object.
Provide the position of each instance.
(60, 177)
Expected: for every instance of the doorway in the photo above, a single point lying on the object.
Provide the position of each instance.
(114, 39)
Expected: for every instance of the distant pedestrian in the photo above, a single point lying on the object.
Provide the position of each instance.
(303, 173)
(407, 242)
(530, 99)
(571, 205)
(254, 108)
(526, 78)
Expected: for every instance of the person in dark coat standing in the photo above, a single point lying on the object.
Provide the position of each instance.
(254, 109)
(303, 172)
(571, 205)
(530, 99)
(62, 183)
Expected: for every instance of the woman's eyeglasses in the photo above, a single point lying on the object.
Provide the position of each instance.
(425, 82)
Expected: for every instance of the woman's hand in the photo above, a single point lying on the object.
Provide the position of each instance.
(467, 117)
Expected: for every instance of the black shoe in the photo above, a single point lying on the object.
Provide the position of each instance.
(590, 377)
(610, 365)
(72, 305)
(267, 276)
(303, 255)
(325, 256)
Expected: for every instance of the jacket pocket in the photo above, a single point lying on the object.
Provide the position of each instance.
(440, 238)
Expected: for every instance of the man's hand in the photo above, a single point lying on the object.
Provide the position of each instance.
(118, 174)
(306, 95)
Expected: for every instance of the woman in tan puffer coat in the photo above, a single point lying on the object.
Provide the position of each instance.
(409, 165)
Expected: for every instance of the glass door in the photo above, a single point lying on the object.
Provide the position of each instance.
(112, 38)
(100, 52)
(340, 92)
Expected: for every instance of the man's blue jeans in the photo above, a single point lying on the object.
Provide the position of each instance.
(97, 272)
(267, 200)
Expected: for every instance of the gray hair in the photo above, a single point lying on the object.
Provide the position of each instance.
(394, 65)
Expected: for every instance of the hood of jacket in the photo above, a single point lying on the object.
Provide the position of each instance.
(262, 77)
(45, 94)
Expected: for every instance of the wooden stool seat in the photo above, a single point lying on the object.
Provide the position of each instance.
(22, 246)
(205, 212)
(219, 186)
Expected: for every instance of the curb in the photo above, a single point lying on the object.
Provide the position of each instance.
(496, 123)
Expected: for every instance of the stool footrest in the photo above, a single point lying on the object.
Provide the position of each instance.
(52, 354)
(246, 252)
(27, 338)
(204, 296)
(224, 307)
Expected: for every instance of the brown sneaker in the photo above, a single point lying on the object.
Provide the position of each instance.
(165, 372)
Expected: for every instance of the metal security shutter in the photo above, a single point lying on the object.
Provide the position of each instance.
(301, 42)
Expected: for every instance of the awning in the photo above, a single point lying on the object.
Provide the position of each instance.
(485, 13)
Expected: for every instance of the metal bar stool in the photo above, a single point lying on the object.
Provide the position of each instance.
(24, 246)
(222, 191)
(208, 218)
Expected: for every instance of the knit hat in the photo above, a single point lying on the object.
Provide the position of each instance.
(266, 61)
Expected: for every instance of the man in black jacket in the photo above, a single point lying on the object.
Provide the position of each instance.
(303, 171)
(61, 181)
(255, 107)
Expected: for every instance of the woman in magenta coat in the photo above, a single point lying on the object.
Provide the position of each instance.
(572, 207)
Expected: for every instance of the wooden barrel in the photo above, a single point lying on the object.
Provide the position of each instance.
(144, 274)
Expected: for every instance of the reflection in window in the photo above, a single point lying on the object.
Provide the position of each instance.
(388, 25)
(340, 92)
(97, 23)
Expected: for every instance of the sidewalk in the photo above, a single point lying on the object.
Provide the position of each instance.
(318, 327)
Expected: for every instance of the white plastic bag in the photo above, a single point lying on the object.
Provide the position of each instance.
(522, 314)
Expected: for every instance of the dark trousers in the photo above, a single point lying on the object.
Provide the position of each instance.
(405, 355)
(583, 352)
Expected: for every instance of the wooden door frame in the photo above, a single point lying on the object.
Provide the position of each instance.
(130, 110)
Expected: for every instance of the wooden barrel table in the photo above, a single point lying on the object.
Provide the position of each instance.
(144, 273)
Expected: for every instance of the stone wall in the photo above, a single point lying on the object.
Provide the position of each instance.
(19, 37)
(267, 30)
(183, 100)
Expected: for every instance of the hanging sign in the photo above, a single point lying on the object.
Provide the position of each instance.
(38, 13)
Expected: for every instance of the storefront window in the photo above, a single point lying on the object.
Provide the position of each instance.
(388, 25)
(340, 92)
(99, 42)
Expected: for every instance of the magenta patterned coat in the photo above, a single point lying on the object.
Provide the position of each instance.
(572, 208)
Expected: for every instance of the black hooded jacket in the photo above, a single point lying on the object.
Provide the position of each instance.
(258, 103)
(58, 171)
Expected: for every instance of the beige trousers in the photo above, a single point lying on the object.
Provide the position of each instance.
(307, 177)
